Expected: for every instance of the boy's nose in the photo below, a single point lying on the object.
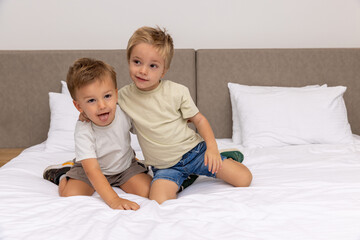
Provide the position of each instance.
(101, 104)
(143, 70)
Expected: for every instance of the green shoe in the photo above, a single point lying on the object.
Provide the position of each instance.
(187, 182)
(233, 153)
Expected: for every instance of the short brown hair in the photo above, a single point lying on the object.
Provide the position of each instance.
(85, 71)
(160, 39)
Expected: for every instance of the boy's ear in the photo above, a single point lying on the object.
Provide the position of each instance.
(77, 105)
(165, 70)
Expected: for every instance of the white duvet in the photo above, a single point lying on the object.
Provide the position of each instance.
(298, 192)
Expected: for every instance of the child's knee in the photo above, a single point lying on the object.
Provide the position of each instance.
(246, 178)
(235, 173)
(65, 193)
(162, 190)
(159, 199)
(144, 191)
(68, 188)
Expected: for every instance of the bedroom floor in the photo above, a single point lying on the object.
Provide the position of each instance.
(6, 154)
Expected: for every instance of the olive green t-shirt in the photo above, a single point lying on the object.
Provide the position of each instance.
(160, 120)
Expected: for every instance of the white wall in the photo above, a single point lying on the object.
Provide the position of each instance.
(107, 24)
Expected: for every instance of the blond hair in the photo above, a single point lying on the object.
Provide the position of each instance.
(85, 71)
(160, 39)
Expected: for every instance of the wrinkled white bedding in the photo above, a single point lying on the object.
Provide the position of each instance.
(298, 192)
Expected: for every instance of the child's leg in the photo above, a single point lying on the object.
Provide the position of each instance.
(73, 187)
(162, 190)
(134, 179)
(234, 173)
(231, 171)
(75, 183)
(167, 182)
(138, 184)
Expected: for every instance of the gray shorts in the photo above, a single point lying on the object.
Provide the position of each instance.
(78, 172)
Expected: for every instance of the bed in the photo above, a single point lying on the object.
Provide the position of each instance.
(306, 182)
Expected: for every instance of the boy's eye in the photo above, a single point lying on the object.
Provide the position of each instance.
(137, 62)
(107, 96)
(153, 65)
(91, 100)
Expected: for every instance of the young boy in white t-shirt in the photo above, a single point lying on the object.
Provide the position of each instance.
(104, 157)
(160, 111)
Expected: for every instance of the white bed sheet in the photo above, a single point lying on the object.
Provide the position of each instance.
(298, 192)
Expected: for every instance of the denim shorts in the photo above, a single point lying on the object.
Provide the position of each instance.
(191, 162)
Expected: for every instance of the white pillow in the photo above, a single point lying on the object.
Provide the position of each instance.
(64, 88)
(295, 116)
(134, 142)
(62, 123)
(235, 88)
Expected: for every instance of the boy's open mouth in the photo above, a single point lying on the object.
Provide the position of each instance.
(104, 116)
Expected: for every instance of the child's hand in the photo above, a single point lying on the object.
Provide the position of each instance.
(123, 204)
(212, 159)
(83, 117)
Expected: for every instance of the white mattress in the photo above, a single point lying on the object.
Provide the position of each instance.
(298, 192)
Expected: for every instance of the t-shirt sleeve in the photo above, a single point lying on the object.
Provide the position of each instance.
(84, 141)
(188, 107)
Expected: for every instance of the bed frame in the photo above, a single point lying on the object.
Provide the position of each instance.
(27, 77)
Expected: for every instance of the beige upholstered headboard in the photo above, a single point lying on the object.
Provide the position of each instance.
(26, 77)
(273, 67)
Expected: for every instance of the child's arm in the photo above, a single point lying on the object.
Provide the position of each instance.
(102, 186)
(212, 156)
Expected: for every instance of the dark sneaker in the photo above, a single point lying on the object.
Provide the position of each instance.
(187, 182)
(54, 172)
(233, 153)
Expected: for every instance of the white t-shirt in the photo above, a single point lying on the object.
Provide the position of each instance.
(160, 119)
(110, 145)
